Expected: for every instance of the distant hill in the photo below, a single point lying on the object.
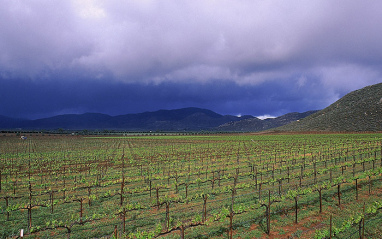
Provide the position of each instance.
(360, 110)
(186, 119)
(256, 124)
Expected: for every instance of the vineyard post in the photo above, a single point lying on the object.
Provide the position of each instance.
(288, 174)
(269, 213)
(115, 232)
(230, 224)
(320, 195)
(213, 180)
(219, 178)
(205, 196)
(150, 181)
(381, 154)
(370, 184)
(51, 201)
(339, 195)
(182, 231)
(296, 207)
(30, 207)
(356, 189)
(124, 219)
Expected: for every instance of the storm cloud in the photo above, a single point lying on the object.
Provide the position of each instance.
(234, 57)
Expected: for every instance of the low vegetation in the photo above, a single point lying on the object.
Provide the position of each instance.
(201, 186)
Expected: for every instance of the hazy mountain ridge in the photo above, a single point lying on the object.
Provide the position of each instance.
(256, 124)
(360, 110)
(186, 119)
(171, 120)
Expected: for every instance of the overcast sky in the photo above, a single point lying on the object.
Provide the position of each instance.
(242, 57)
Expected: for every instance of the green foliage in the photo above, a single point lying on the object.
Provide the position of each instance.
(355, 112)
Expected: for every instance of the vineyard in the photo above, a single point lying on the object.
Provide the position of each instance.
(196, 186)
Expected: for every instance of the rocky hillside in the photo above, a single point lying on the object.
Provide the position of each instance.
(360, 110)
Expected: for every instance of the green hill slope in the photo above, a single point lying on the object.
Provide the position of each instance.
(360, 110)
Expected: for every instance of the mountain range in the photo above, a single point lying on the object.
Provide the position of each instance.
(185, 119)
(358, 111)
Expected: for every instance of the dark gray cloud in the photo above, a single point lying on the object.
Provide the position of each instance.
(187, 53)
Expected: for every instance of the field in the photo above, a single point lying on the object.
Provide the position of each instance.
(191, 186)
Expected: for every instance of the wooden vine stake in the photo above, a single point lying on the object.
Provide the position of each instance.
(296, 207)
(51, 201)
(339, 195)
(231, 224)
(320, 195)
(115, 232)
(356, 189)
(269, 213)
(30, 207)
(205, 196)
(182, 231)
(370, 184)
(124, 219)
